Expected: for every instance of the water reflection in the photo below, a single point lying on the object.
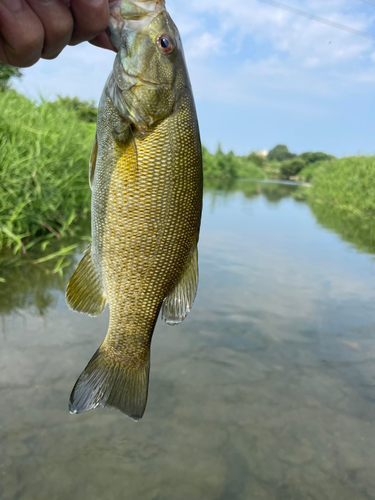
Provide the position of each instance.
(272, 191)
(266, 391)
(349, 226)
(33, 287)
(27, 284)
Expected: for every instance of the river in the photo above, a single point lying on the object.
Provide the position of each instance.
(266, 390)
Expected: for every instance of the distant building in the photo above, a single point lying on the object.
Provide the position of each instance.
(263, 153)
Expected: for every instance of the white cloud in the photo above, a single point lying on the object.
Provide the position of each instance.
(287, 49)
(303, 39)
(204, 46)
(279, 56)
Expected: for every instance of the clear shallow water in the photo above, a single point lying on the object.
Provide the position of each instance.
(266, 391)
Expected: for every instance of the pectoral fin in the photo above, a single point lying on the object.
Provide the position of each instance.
(84, 292)
(178, 303)
(94, 154)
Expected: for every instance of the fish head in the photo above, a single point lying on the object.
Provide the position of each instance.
(149, 72)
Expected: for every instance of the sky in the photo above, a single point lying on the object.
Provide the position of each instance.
(261, 75)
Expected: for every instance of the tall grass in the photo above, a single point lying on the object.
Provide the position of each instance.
(44, 153)
(347, 184)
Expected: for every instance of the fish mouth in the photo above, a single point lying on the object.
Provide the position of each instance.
(133, 15)
(135, 10)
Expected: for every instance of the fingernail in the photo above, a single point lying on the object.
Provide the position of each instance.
(12, 5)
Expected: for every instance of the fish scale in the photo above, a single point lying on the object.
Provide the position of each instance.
(146, 178)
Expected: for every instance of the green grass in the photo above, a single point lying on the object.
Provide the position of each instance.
(44, 152)
(309, 172)
(347, 184)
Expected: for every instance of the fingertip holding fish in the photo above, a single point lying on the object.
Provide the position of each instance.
(146, 180)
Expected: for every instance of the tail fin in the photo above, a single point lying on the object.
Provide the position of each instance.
(107, 383)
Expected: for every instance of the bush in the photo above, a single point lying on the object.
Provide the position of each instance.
(219, 165)
(229, 166)
(309, 172)
(291, 168)
(280, 153)
(256, 159)
(248, 170)
(310, 158)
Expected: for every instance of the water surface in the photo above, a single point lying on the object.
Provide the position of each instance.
(266, 391)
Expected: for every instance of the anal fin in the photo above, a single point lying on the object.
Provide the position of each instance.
(179, 302)
(84, 292)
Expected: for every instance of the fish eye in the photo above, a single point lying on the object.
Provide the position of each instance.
(165, 44)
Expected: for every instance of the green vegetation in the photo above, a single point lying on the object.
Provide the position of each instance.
(85, 110)
(282, 164)
(347, 184)
(342, 197)
(290, 168)
(307, 173)
(6, 73)
(44, 194)
(229, 166)
(280, 153)
(44, 151)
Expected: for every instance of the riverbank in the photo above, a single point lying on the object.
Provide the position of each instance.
(45, 150)
(347, 184)
(44, 193)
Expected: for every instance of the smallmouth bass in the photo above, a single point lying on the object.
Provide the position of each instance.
(146, 181)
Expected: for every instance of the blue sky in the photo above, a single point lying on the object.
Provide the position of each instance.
(261, 75)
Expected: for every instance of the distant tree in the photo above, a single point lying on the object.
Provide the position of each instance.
(310, 157)
(6, 73)
(258, 160)
(290, 168)
(219, 151)
(209, 164)
(220, 165)
(227, 165)
(280, 153)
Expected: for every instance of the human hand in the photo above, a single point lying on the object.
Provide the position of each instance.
(34, 29)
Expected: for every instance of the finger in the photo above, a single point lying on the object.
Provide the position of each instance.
(58, 25)
(103, 41)
(91, 17)
(22, 34)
